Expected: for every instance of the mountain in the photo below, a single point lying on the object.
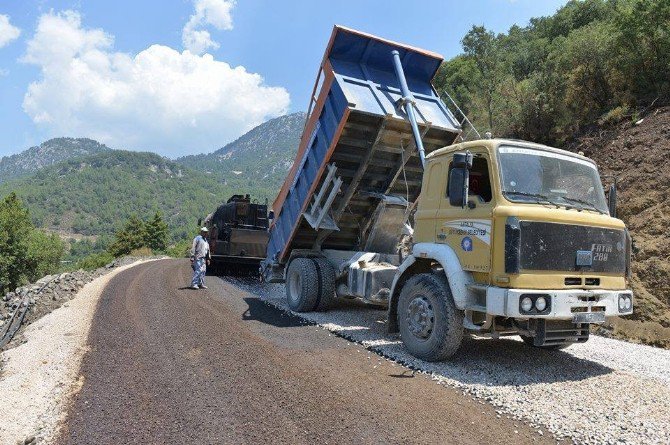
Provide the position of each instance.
(79, 186)
(48, 153)
(263, 155)
(93, 195)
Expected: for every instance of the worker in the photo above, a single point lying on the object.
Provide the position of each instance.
(200, 257)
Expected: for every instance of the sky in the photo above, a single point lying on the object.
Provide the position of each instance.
(181, 77)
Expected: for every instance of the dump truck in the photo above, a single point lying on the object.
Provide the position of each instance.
(238, 234)
(508, 237)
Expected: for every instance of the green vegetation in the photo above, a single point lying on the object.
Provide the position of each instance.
(26, 253)
(141, 237)
(92, 194)
(94, 261)
(594, 60)
(180, 249)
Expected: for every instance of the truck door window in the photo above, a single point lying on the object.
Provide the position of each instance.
(479, 185)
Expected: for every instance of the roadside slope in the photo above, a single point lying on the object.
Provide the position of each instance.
(639, 156)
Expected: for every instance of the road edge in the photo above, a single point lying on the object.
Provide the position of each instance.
(41, 376)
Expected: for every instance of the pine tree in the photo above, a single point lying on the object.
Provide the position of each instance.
(131, 237)
(156, 233)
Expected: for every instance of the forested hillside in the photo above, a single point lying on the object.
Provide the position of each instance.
(93, 195)
(48, 153)
(258, 160)
(594, 61)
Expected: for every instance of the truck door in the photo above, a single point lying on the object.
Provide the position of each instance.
(425, 219)
(468, 230)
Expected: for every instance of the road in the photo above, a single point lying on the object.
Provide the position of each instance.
(168, 365)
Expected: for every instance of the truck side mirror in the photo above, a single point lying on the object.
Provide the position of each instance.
(459, 178)
(611, 200)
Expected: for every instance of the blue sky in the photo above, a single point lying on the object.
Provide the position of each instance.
(118, 71)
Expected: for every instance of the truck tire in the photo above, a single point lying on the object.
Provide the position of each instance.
(302, 285)
(326, 284)
(431, 327)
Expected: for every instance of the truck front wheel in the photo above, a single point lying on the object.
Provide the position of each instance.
(302, 285)
(431, 327)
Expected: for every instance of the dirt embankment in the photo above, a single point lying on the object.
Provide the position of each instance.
(638, 153)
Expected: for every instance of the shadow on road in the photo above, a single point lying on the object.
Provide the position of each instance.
(264, 313)
(480, 361)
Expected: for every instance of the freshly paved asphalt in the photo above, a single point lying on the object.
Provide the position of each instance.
(168, 365)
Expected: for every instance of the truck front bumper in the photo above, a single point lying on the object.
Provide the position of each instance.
(563, 304)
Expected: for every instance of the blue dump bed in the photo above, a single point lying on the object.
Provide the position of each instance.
(358, 140)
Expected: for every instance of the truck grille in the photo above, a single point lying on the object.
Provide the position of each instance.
(533, 245)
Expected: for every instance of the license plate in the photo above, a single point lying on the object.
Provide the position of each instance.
(589, 317)
(584, 258)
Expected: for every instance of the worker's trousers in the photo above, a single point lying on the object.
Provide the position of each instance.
(199, 270)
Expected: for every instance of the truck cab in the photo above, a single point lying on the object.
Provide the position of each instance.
(524, 235)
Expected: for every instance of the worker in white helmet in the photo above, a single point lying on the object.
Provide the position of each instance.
(200, 257)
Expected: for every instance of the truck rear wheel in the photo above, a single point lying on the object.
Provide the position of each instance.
(302, 285)
(431, 327)
(326, 273)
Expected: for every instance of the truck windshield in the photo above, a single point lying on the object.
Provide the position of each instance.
(537, 176)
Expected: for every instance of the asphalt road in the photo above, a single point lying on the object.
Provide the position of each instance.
(168, 365)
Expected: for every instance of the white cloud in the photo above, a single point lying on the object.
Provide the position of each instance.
(160, 99)
(8, 32)
(214, 13)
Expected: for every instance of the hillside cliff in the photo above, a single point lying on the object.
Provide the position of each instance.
(48, 153)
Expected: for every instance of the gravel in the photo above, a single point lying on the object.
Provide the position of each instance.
(51, 292)
(40, 374)
(605, 391)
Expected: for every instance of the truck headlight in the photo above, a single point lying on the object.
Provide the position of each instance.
(541, 304)
(625, 302)
(526, 304)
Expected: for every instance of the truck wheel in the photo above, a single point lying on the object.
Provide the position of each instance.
(326, 284)
(431, 327)
(530, 342)
(302, 285)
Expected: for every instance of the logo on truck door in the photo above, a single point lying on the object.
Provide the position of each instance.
(466, 244)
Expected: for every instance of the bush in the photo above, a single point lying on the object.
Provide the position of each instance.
(179, 250)
(95, 261)
(142, 251)
(615, 115)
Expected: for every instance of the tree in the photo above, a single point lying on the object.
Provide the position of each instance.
(132, 236)
(15, 226)
(483, 47)
(44, 254)
(156, 233)
(26, 253)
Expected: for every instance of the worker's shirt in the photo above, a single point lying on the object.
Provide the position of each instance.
(200, 248)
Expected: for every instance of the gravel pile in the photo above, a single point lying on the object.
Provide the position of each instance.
(605, 391)
(51, 292)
